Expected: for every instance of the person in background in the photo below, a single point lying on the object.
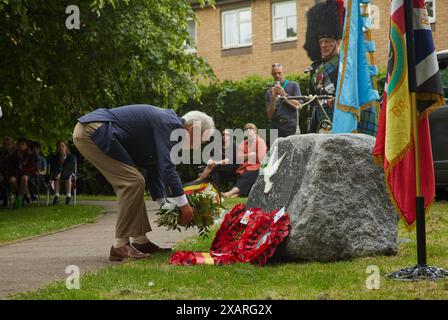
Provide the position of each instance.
(41, 160)
(41, 166)
(3, 189)
(250, 154)
(284, 114)
(222, 171)
(324, 80)
(22, 165)
(62, 167)
(323, 41)
(8, 148)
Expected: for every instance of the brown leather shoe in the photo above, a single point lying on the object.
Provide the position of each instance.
(150, 248)
(126, 252)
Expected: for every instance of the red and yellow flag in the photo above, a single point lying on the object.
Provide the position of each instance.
(395, 148)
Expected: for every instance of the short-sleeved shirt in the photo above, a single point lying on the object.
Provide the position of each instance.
(5, 163)
(22, 164)
(41, 163)
(65, 166)
(285, 116)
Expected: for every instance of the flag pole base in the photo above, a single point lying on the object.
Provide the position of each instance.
(418, 272)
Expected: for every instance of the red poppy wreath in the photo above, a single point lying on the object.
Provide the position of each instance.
(245, 235)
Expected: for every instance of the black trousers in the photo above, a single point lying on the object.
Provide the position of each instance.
(224, 175)
(246, 181)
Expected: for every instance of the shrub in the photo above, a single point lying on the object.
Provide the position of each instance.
(231, 104)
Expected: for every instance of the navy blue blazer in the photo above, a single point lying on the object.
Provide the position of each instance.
(139, 135)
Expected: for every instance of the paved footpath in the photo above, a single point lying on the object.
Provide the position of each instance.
(33, 263)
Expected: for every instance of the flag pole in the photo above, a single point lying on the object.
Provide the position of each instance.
(420, 200)
(421, 270)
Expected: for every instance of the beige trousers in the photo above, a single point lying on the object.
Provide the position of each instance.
(127, 181)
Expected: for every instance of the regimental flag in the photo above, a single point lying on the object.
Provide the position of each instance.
(357, 99)
(394, 147)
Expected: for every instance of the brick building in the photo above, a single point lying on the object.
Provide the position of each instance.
(239, 38)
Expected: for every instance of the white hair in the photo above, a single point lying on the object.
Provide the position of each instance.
(206, 122)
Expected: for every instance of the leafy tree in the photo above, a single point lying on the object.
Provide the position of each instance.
(125, 52)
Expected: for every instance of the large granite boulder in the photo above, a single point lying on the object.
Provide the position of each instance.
(335, 195)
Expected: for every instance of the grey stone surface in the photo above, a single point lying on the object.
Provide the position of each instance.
(335, 196)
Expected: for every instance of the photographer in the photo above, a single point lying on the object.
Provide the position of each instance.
(284, 114)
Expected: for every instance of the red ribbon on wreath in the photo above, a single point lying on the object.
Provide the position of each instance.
(190, 258)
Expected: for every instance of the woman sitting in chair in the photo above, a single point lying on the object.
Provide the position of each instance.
(62, 168)
(250, 154)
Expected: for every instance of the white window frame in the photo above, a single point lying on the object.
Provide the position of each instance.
(237, 12)
(274, 18)
(432, 19)
(192, 49)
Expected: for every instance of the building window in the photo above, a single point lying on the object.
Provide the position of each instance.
(431, 7)
(237, 28)
(192, 32)
(284, 21)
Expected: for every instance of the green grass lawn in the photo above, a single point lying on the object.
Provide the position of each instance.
(156, 279)
(23, 223)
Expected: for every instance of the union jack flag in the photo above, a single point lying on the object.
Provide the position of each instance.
(428, 81)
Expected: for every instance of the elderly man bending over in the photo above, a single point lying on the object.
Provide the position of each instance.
(120, 140)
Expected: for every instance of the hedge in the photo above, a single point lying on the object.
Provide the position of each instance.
(231, 104)
(234, 103)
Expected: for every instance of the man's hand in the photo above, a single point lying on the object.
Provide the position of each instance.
(273, 93)
(187, 215)
(212, 163)
(294, 103)
(280, 91)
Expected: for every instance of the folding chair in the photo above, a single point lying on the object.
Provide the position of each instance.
(7, 195)
(4, 193)
(74, 179)
(11, 200)
(39, 181)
